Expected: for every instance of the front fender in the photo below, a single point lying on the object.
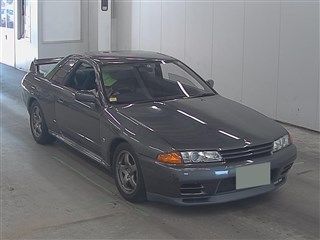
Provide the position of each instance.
(116, 126)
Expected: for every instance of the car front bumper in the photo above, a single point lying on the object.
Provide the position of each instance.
(198, 184)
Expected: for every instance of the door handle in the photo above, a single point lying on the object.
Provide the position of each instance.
(60, 100)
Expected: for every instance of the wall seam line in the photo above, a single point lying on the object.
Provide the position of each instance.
(140, 24)
(212, 40)
(161, 26)
(278, 72)
(185, 31)
(243, 49)
(88, 24)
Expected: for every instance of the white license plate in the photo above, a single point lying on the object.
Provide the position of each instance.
(253, 175)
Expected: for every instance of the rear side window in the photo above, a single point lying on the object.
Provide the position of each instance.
(60, 73)
(82, 78)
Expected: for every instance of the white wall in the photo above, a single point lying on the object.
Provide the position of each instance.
(299, 65)
(263, 54)
(26, 49)
(126, 25)
(93, 25)
(65, 30)
(60, 28)
(78, 31)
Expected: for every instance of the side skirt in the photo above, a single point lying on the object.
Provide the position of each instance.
(80, 148)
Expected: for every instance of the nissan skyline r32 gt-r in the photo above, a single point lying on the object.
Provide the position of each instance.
(163, 131)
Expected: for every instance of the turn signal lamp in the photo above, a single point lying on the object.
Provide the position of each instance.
(170, 158)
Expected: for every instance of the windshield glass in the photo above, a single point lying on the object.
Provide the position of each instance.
(155, 81)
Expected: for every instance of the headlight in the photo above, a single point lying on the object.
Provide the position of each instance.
(189, 157)
(201, 157)
(281, 143)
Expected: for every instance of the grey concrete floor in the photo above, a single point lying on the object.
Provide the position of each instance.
(54, 192)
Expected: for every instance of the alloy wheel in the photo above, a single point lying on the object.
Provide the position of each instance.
(127, 172)
(36, 121)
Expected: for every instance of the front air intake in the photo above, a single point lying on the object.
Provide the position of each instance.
(192, 189)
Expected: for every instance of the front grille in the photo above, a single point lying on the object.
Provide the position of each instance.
(248, 152)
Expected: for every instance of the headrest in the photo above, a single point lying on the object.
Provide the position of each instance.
(80, 76)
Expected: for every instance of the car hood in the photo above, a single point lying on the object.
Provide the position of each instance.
(206, 123)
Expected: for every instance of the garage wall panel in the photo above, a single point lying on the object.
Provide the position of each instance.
(135, 24)
(67, 20)
(228, 18)
(93, 25)
(298, 87)
(173, 28)
(64, 42)
(260, 61)
(198, 49)
(27, 48)
(264, 54)
(122, 14)
(150, 25)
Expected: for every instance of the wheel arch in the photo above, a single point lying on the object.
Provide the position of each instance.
(112, 147)
(30, 101)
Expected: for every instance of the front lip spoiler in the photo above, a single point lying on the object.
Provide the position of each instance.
(215, 199)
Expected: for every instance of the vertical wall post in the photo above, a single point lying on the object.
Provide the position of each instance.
(104, 27)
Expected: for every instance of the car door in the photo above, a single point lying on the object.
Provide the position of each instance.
(79, 121)
(56, 77)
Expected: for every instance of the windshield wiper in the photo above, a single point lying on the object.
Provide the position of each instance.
(142, 101)
(202, 95)
(168, 98)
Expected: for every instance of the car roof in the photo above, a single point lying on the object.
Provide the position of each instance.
(127, 56)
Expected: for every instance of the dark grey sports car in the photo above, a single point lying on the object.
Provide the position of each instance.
(162, 130)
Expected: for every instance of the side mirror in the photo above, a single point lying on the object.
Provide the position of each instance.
(85, 97)
(210, 83)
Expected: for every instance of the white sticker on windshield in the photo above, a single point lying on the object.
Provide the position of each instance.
(113, 99)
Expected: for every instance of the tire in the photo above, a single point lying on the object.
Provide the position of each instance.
(128, 174)
(38, 125)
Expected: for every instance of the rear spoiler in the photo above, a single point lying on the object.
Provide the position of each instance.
(34, 67)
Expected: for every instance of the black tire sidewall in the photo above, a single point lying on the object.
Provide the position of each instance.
(45, 137)
(139, 194)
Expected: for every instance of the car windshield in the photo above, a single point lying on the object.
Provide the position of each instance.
(152, 81)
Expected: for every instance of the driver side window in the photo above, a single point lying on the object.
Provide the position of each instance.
(82, 78)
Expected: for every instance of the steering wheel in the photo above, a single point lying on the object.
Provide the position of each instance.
(122, 90)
